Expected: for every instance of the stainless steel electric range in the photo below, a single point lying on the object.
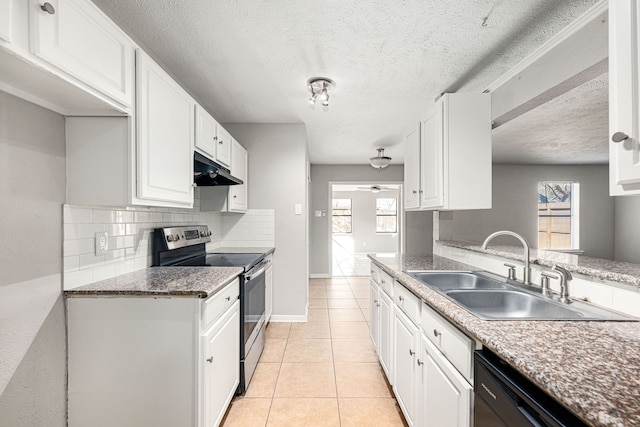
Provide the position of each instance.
(185, 246)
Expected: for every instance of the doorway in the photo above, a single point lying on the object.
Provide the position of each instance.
(365, 218)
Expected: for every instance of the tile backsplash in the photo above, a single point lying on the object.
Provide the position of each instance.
(129, 230)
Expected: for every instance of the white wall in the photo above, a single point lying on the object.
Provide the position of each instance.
(363, 211)
(515, 207)
(277, 178)
(627, 232)
(32, 329)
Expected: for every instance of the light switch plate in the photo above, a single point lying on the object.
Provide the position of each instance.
(102, 243)
(298, 209)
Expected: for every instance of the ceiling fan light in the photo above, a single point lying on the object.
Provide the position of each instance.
(312, 100)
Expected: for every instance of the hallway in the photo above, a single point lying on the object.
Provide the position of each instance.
(321, 373)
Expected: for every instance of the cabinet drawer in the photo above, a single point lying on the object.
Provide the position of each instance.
(386, 283)
(407, 302)
(456, 346)
(217, 304)
(375, 273)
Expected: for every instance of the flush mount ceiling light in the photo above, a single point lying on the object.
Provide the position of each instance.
(380, 161)
(320, 88)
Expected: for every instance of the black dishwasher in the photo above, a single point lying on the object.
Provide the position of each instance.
(504, 397)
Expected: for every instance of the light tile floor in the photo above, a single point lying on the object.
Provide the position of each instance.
(321, 373)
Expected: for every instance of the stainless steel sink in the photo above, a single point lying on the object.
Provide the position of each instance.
(449, 280)
(492, 299)
(512, 305)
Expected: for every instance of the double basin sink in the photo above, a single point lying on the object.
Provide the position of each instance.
(492, 299)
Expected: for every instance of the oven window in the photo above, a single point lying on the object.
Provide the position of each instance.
(253, 304)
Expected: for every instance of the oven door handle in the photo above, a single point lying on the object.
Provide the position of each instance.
(257, 270)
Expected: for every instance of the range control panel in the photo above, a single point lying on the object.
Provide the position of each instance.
(180, 237)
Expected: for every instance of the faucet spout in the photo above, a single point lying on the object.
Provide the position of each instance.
(527, 269)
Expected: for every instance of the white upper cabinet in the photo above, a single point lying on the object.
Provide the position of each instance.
(77, 38)
(206, 133)
(624, 95)
(454, 152)
(165, 117)
(224, 148)
(5, 20)
(239, 169)
(412, 170)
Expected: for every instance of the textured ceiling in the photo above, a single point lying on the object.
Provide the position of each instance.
(570, 129)
(248, 61)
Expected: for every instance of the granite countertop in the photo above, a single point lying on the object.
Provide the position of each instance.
(590, 367)
(200, 282)
(599, 268)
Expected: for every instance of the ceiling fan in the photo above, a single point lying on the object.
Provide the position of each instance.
(375, 188)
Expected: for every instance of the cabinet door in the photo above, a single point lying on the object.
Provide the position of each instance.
(446, 396)
(239, 169)
(165, 114)
(220, 366)
(412, 170)
(624, 112)
(224, 147)
(268, 296)
(374, 310)
(386, 334)
(5, 20)
(431, 158)
(405, 348)
(77, 38)
(206, 128)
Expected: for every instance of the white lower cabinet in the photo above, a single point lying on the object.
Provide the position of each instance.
(385, 353)
(268, 291)
(221, 350)
(152, 360)
(446, 395)
(374, 318)
(406, 339)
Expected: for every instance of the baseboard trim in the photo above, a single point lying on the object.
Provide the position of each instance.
(277, 318)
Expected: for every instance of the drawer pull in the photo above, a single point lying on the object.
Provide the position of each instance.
(378, 305)
(375, 301)
(210, 360)
(401, 298)
(436, 333)
(420, 362)
(411, 352)
(228, 298)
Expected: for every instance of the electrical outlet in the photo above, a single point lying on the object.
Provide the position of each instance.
(102, 243)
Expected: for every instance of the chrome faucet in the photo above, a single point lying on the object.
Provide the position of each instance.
(527, 270)
(565, 277)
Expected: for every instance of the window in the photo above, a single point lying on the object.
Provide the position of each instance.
(341, 216)
(386, 215)
(558, 219)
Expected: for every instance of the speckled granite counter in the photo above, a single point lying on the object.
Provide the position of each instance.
(200, 282)
(593, 368)
(599, 268)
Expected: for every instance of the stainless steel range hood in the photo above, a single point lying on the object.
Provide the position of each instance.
(207, 173)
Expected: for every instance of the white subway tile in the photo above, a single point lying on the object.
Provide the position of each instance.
(88, 231)
(74, 279)
(77, 215)
(103, 272)
(155, 217)
(71, 263)
(77, 247)
(125, 267)
(91, 260)
(123, 216)
(103, 216)
(116, 229)
(141, 217)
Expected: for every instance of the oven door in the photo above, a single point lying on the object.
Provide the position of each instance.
(253, 304)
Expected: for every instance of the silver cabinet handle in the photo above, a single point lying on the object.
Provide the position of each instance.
(210, 360)
(616, 137)
(411, 352)
(401, 298)
(436, 333)
(228, 298)
(420, 362)
(48, 7)
(414, 191)
(375, 301)
(378, 305)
